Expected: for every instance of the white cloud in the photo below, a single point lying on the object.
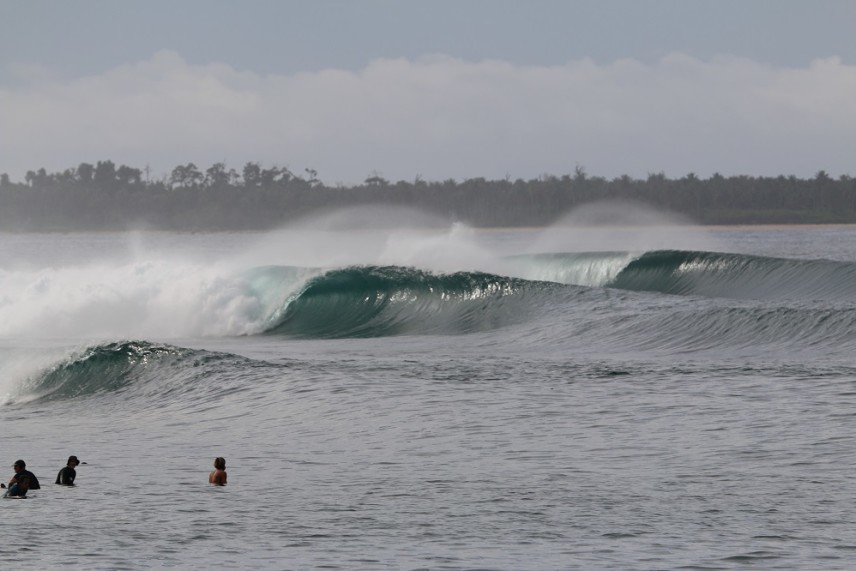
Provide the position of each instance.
(441, 117)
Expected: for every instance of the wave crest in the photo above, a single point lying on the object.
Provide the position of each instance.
(389, 300)
(740, 276)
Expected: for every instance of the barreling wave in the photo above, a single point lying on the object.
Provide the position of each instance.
(708, 274)
(373, 301)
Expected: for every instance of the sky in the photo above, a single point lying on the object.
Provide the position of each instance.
(431, 89)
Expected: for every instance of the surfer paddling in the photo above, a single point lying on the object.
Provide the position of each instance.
(218, 476)
(22, 482)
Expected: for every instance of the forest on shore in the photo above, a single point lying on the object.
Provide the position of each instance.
(104, 196)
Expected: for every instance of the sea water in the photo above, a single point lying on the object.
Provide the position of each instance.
(567, 398)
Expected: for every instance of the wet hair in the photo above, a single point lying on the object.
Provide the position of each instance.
(220, 463)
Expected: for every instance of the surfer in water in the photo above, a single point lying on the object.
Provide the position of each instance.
(67, 475)
(22, 482)
(218, 476)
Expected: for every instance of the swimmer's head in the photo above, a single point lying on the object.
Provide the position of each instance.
(220, 463)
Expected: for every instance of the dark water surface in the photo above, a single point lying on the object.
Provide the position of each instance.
(623, 399)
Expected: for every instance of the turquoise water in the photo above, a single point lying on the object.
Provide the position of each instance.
(661, 397)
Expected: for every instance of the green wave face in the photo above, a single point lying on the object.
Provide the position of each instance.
(150, 374)
(378, 301)
(812, 304)
(738, 276)
(102, 369)
(373, 301)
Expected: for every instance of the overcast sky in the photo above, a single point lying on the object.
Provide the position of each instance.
(438, 89)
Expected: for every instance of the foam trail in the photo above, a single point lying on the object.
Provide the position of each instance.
(150, 299)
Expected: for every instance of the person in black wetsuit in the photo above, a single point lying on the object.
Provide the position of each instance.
(67, 475)
(23, 481)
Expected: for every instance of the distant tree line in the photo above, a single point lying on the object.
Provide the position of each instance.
(104, 196)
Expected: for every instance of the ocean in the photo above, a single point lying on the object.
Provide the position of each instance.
(580, 397)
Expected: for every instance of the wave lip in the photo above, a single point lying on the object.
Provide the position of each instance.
(373, 301)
